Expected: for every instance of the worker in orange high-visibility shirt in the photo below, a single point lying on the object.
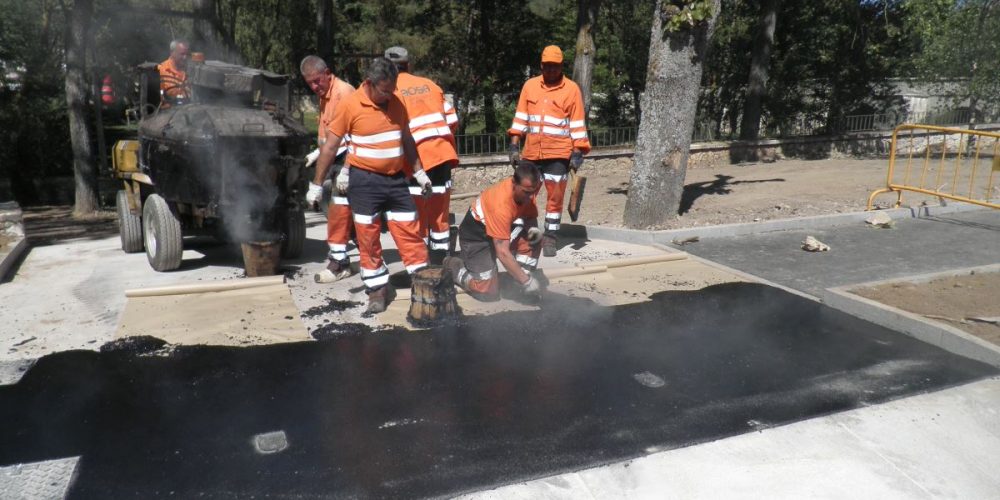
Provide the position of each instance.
(374, 177)
(433, 123)
(502, 222)
(550, 120)
(331, 91)
(173, 75)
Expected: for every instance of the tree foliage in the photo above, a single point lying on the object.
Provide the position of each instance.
(828, 59)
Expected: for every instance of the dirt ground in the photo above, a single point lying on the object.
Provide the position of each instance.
(729, 194)
(968, 302)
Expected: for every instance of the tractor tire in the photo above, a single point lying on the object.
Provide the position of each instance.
(129, 225)
(295, 234)
(161, 234)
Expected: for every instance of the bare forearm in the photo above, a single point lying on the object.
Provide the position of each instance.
(506, 258)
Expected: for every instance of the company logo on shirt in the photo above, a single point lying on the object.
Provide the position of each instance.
(412, 91)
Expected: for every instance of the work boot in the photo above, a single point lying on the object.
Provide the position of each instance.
(335, 271)
(455, 267)
(380, 299)
(549, 245)
(437, 257)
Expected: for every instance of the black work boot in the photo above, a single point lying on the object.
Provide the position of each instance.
(380, 299)
(454, 266)
(437, 257)
(549, 245)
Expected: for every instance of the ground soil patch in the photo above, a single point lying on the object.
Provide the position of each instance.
(728, 194)
(952, 300)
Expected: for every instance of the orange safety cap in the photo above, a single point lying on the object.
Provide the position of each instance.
(552, 54)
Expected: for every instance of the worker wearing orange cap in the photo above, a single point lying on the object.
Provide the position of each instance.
(173, 74)
(550, 118)
(433, 122)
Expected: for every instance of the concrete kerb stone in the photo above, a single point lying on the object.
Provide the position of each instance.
(644, 237)
(11, 225)
(937, 334)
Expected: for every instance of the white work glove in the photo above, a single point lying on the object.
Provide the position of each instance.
(575, 160)
(314, 194)
(343, 180)
(532, 286)
(312, 157)
(425, 182)
(534, 236)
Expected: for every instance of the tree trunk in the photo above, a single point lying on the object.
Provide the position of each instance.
(209, 35)
(84, 166)
(759, 64)
(669, 104)
(324, 30)
(490, 113)
(583, 63)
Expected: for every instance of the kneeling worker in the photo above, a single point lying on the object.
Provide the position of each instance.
(501, 220)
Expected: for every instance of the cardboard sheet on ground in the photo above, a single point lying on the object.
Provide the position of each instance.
(259, 314)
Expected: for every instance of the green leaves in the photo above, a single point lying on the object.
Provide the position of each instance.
(684, 14)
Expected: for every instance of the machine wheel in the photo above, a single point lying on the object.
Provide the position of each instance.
(161, 234)
(129, 225)
(295, 234)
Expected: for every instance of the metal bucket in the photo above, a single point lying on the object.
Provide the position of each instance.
(261, 258)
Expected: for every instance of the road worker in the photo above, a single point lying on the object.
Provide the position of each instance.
(173, 75)
(374, 177)
(550, 119)
(331, 91)
(502, 222)
(433, 123)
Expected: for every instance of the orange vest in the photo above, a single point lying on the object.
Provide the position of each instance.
(376, 134)
(432, 119)
(552, 118)
(496, 209)
(172, 80)
(338, 91)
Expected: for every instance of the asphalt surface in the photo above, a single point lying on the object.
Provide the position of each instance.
(493, 400)
(860, 252)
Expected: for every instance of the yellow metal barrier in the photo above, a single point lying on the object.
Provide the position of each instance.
(956, 164)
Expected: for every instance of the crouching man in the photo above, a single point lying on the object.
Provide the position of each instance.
(502, 222)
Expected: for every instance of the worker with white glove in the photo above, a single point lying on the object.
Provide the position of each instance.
(331, 91)
(433, 123)
(502, 224)
(423, 182)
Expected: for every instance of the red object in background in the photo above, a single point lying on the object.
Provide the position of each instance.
(107, 91)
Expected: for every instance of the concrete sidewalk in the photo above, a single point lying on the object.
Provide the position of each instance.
(861, 252)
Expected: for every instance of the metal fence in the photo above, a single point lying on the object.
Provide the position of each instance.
(621, 137)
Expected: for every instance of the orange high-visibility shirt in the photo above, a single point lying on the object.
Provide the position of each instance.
(172, 80)
(496, 209)
(432, 119)
(376, 133)
(337, 92)
(552, 118)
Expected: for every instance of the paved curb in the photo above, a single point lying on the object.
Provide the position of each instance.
(937, 334)
(9, 257)
(799, 223)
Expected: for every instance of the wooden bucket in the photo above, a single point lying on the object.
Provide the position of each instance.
(432, 296)
(261, 258)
